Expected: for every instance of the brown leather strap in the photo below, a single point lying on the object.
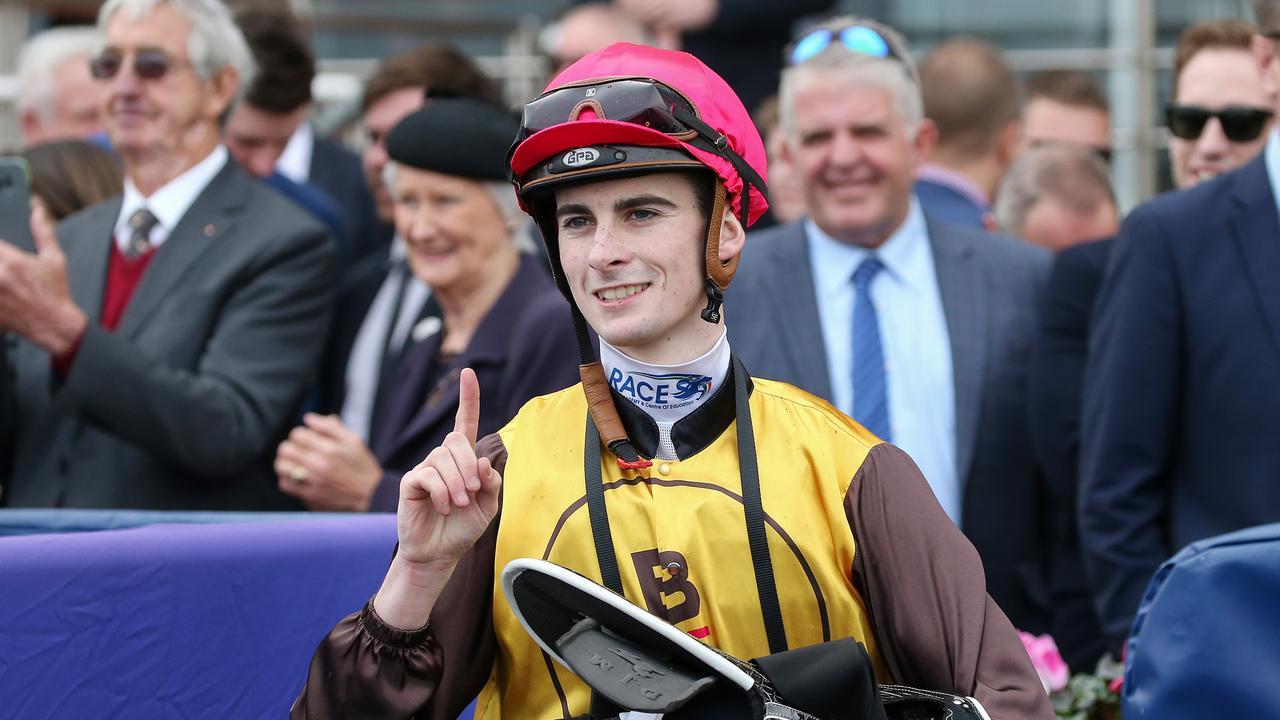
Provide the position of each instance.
(600, 402)
(719, 272)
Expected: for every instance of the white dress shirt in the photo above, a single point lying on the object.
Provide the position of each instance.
(295, 161)
(170, 202)
(364, 364)
(913, 332)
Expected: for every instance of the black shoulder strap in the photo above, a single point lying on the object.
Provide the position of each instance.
(753, 509)
(597, 512)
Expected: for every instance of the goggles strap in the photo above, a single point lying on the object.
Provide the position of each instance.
(715, 142)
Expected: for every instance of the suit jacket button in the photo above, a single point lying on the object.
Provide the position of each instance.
(64, 467)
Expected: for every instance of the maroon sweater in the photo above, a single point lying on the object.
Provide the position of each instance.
(123, 276)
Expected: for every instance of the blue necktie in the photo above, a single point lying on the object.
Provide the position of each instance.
(870, 386)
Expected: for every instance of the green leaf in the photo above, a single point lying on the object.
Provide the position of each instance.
(1063, 703)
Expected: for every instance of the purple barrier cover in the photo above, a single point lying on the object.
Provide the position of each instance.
(178, 621)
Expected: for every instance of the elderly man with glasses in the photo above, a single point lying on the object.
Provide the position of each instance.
(1177, 440)
(161, 342)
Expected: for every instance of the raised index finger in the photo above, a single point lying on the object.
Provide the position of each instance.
(467, 421)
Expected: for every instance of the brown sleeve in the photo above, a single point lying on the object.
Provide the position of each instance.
(365, 668)
(925, 591)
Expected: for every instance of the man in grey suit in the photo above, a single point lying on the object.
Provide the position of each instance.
(159, 346)
(918, 330)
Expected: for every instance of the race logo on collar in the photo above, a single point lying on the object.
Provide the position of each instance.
(665, 392)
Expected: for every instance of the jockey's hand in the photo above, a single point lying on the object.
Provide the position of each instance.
(449, 499)
(446, 503)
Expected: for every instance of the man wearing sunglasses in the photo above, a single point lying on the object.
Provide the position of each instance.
(915, 328)
(1178, 437)
(1222, 111)
(1066, 107)
(1218, 95)
(165, 337)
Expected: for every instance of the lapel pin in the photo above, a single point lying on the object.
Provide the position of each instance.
(425, 328)
(209, 230)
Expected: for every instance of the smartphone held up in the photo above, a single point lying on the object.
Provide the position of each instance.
(15, 203)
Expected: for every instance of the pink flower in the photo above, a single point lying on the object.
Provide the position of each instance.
(1117, 683)
(1047, 660)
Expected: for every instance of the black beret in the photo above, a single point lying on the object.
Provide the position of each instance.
(455, 136)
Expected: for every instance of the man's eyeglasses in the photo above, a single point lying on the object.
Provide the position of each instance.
(857, 38)
(148, 63)
(1239, 124)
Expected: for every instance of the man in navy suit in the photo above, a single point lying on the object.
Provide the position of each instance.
(1182, 386)
(1214, 69)
(269, 134)
(973, 97)
(930, 351)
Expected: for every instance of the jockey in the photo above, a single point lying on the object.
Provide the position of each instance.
(748, 513)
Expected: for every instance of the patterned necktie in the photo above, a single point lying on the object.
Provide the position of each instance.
(870, 384)
(141, 223)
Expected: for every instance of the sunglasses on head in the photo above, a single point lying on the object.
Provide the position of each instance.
(148, 63)
(1239, 124)
(857, 38)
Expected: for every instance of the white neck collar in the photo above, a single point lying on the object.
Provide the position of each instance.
(667, 393)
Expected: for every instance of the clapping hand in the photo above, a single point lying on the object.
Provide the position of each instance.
(35, 299)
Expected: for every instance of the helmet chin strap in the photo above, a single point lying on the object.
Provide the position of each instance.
(717, 273)
(715, 298)
(604, 414)
(600, 402)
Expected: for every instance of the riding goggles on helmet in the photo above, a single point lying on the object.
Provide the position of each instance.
(857, 38)
(638, 101)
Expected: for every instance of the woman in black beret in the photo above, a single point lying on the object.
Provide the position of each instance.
(502, 315)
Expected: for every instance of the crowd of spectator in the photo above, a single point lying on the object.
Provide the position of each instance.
(228, 311)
